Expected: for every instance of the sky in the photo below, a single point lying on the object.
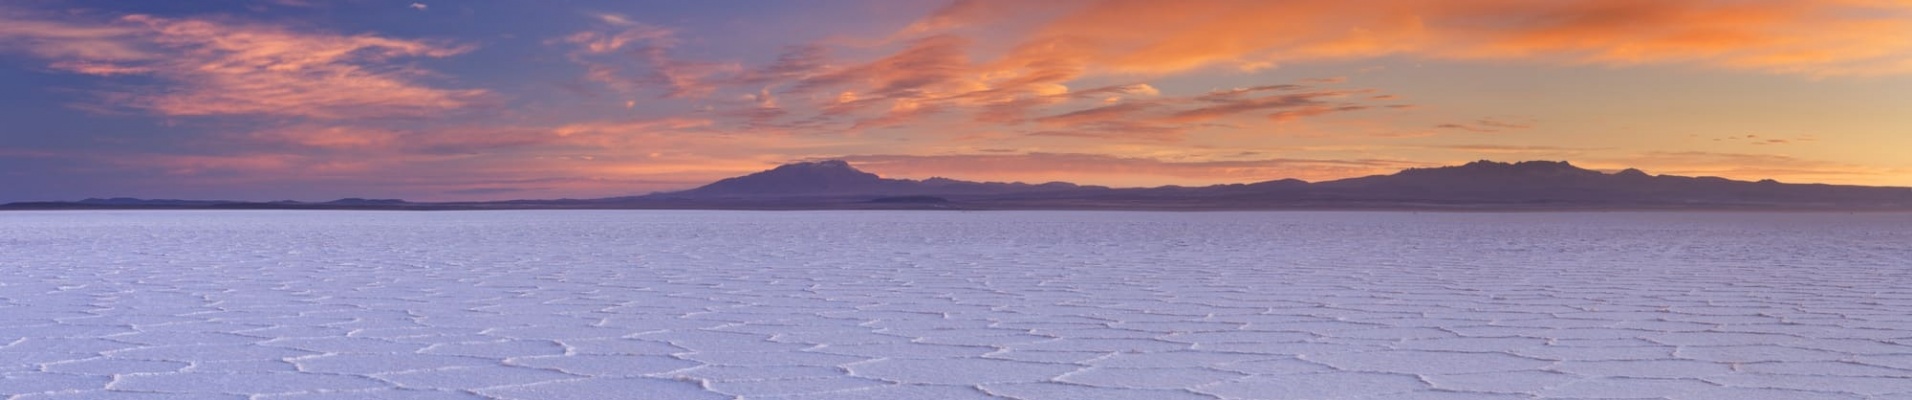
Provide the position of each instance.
(481, 100)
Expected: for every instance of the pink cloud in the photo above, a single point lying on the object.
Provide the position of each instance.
(97, 43)
(100, 68)
(228, 68)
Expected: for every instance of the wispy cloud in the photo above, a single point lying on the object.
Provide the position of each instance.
(1019, 66)
(1762, 140)
(212, 67)
(607, 55)
(1167, 118)
(1279, 107)
(936, 78)
(1487, 125)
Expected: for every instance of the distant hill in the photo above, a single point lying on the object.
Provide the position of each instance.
(1480, 185)
(823, 178)
(835, 178)
(1546, 182)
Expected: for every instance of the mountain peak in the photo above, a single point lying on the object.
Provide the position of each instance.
(796, 179)
(829, 170)
(836, 178)
(1527, 166)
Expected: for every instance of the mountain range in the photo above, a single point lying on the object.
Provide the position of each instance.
(1480, 185)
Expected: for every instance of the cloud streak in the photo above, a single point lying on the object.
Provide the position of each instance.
(219, 68)
(939, 78)
(606, 55)
(1020, 67)
(1487, 125)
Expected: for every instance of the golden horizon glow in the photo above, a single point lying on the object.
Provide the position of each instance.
(497, 101)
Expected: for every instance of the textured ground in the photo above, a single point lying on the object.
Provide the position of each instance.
(948, 305)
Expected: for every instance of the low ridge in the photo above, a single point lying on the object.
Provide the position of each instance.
(1483, 185)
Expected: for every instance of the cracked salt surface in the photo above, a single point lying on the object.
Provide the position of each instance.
(948, 305)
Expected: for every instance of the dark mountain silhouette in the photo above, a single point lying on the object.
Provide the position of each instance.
(822, 178)
(1562, 183)
(835, 178)
(1480, 185)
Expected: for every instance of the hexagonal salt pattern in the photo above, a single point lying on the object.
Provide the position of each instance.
(954, 305)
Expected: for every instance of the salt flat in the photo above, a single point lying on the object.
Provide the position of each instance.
(953, 305)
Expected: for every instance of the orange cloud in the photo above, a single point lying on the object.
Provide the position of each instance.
(935, 70)
(1169, 118)
(1486, 125)
(1285, 107)
(932, 73)
(1762, 140)
(934, 64)
(217, 68)
(1819, 38)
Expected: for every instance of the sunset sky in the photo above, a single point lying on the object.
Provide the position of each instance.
(471, 100)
